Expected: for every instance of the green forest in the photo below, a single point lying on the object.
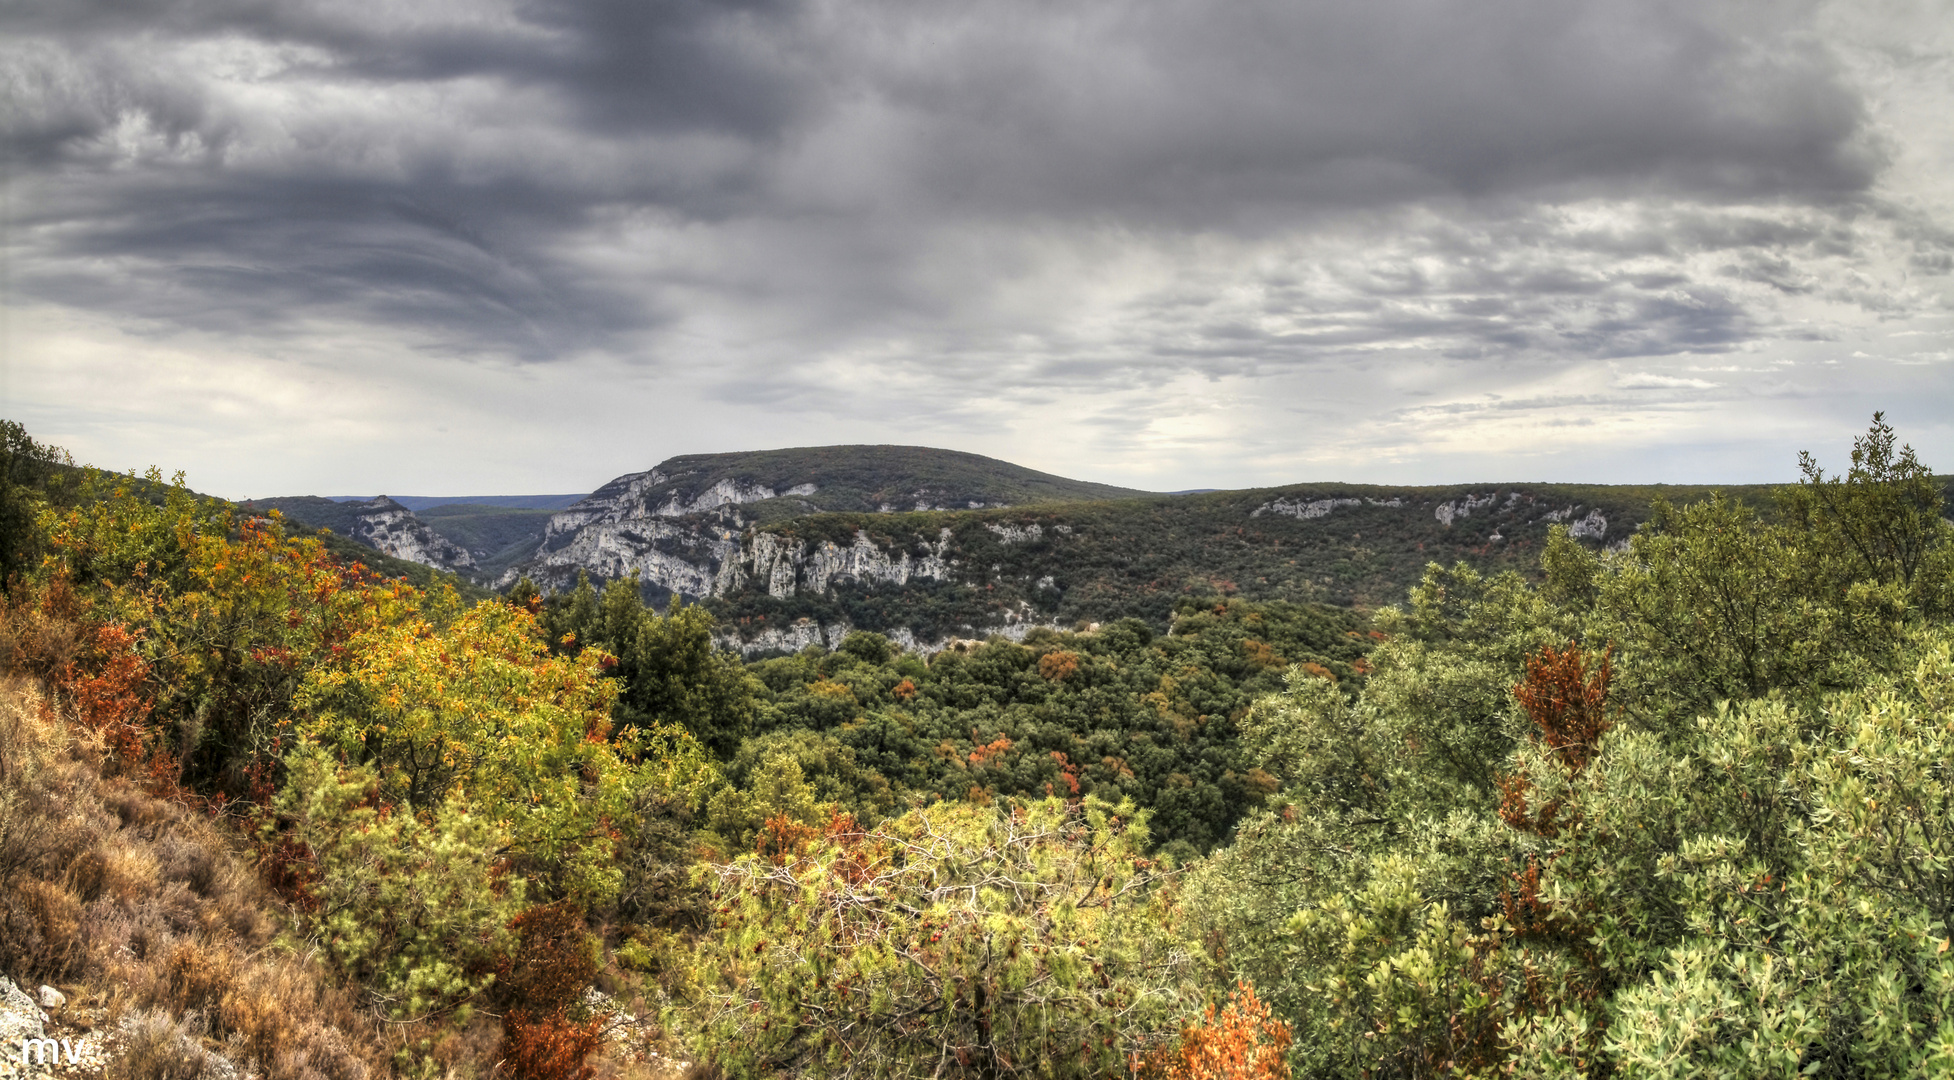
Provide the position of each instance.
(1676, 806)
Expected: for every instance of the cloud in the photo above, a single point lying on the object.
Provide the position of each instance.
(889, 212)
(1645, 381)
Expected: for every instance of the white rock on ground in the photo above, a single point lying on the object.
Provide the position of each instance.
(20, 1018)
(52, 998)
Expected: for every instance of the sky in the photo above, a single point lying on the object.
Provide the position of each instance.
(462, 247)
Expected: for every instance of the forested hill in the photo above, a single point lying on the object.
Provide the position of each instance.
(924, 577)
(800, 546)
(771, 485)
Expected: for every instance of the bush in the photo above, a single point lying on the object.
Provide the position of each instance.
(964, 940)
(416, 912)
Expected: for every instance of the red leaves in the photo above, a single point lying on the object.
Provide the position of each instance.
(1242, 1042)
(550, 1047)
(782, 838)
(1068, 770)
(1058, 666)
(1566, 702)
(985, 754)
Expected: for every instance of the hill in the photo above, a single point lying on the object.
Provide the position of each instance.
(797, 547)
(677, 524)
(380, 523)
(922, 578)
(775, 484)
(497, 536)
(419, 503)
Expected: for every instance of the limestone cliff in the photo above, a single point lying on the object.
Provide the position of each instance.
(385, 525)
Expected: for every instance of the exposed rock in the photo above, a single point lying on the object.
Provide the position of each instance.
(1594, 527)
(387, 526)
(20, 1017)
(1452, 511)
(1016, 534)
(52, 998)
(1015, 624)
(1306, 510)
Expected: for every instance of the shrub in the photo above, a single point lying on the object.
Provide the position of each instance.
(549, 1047)
(1243, 1042)
(554, 962)
(967, 941)
(156, 1046)
(416, 912)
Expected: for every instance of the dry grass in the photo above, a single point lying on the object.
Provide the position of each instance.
(153, 905)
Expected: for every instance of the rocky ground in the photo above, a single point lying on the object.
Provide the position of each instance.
(48, 1013)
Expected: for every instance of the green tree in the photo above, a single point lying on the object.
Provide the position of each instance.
(1878, 523)
(1681, 812)
(29, 473)
(411, 907)
(480, 706)
(955, 940)
(669, 669)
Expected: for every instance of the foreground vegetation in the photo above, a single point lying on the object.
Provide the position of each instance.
(1673, 810)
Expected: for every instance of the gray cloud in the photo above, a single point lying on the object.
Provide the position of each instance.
(977, 206)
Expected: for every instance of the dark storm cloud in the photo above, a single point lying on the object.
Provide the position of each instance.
(449, 168)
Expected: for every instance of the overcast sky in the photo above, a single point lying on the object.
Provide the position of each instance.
(482, 246)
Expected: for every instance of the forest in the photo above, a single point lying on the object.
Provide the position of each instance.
(1679, 807)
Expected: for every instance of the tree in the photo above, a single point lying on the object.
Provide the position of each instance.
(230, 614)
(956, 940)
(27, 470)
(669, 669)
(480, 706)
(1243, 1042)
(412, 907)
(1880, 522)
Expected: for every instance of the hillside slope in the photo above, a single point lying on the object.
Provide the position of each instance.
(925, 577)
(848, 478)
(380, 523)
(677, 525)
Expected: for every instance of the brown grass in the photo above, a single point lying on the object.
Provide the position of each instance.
(153, 906)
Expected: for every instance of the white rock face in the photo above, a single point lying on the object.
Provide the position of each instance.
(1447, 513)
(20, 1018)
(720, 494)
(52, 998)
(617, 549)
(794, 638)
(864, 561)
(1016, 623)
(1014, 534)
(1304, 510)
(1594, 526)
(390, 527)
(1307, 509)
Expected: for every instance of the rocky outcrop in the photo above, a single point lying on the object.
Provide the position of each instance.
(1012, 625)
(1017, 534)
(1305, 510)
(385, 525)
(788, 565)
(1452, 511)
(1308, 509)
(677, 557)
(1592, 527)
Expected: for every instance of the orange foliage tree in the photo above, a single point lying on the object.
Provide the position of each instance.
(1241, 1042)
